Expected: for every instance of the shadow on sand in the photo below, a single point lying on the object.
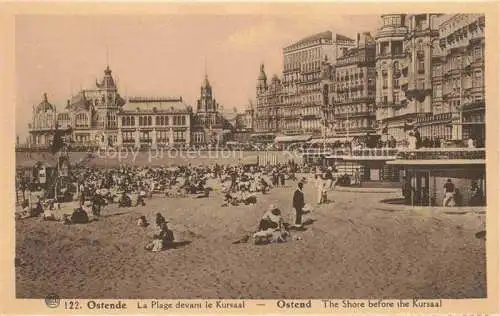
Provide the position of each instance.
(180, 244)
(399, 201)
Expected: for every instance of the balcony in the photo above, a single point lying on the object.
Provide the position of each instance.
(355, 114)
(364, 154)
(445, 154)
(388, 55)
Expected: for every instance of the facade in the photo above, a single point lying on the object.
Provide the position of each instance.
(44, 120)
(147, 122)
(458, 80)
(354, 89)
(294, 103)
(100, 116)
(430, 75)
(91, 114)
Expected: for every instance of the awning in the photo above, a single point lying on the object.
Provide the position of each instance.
(261, 135)
(330, 140)
(294, 138)
(436, 162)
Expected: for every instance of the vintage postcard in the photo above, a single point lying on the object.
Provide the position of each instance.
(249, 158)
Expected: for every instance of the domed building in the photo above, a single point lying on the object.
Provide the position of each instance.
(91, 114)
(43, 123)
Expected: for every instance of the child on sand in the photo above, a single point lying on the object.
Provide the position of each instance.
(142, 221)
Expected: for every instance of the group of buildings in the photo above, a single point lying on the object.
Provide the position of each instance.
(420, 71)
(101, 116)
(423, 70)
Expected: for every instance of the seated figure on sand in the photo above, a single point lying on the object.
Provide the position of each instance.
(142, 221)
(79, 216)
(124, 201)
(162, 239)
(271, 228)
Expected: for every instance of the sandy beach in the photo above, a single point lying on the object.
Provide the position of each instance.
(351, 250)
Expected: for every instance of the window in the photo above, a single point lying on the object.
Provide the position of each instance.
(421, 65)
(144, 136)
(384, 81)
(396, 97)
(163, 136)
(437, 91)
(81, 120)
(395, 83)
(477, 52)
(179, 136)
(128, 137)
(477, 81)
(421, 84)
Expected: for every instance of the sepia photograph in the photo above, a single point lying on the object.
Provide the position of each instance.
(305, 156)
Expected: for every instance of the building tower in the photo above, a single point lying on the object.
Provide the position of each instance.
(390, 61)
(260, 117)
(422, 32)
(207, 107)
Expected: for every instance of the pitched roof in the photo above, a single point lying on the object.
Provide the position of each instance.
(314, 37)
(78, 102)
(167, 104)
(340, 37)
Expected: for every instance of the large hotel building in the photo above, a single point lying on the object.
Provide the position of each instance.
(293, 103)
(430, 75)
(423, 70)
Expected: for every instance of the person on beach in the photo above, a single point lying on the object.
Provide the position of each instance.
(142, 221)
(449, 193)
(271, 228)
(124, 201)
(159, 219)
(163, 239)
(79, 216)
(476, 198)
(271, 219)
(319, 188)
(298, 204)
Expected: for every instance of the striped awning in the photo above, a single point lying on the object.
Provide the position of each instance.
(331, 140)
(292, 138)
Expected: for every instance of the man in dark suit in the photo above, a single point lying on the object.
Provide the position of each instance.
(298, 204)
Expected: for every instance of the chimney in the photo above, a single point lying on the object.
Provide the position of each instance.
(357, 40)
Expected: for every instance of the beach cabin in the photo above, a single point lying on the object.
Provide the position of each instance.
(427, 170)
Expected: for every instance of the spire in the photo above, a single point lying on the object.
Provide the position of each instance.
(262, 75)
(45, 97)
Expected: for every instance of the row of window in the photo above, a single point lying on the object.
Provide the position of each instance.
(148, 120)
(352, 109)
(356, 123)
(293, 60)
(146, 136)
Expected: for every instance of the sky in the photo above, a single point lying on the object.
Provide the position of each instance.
(159, 55)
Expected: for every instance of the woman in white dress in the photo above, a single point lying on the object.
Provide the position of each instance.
(319, 188)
